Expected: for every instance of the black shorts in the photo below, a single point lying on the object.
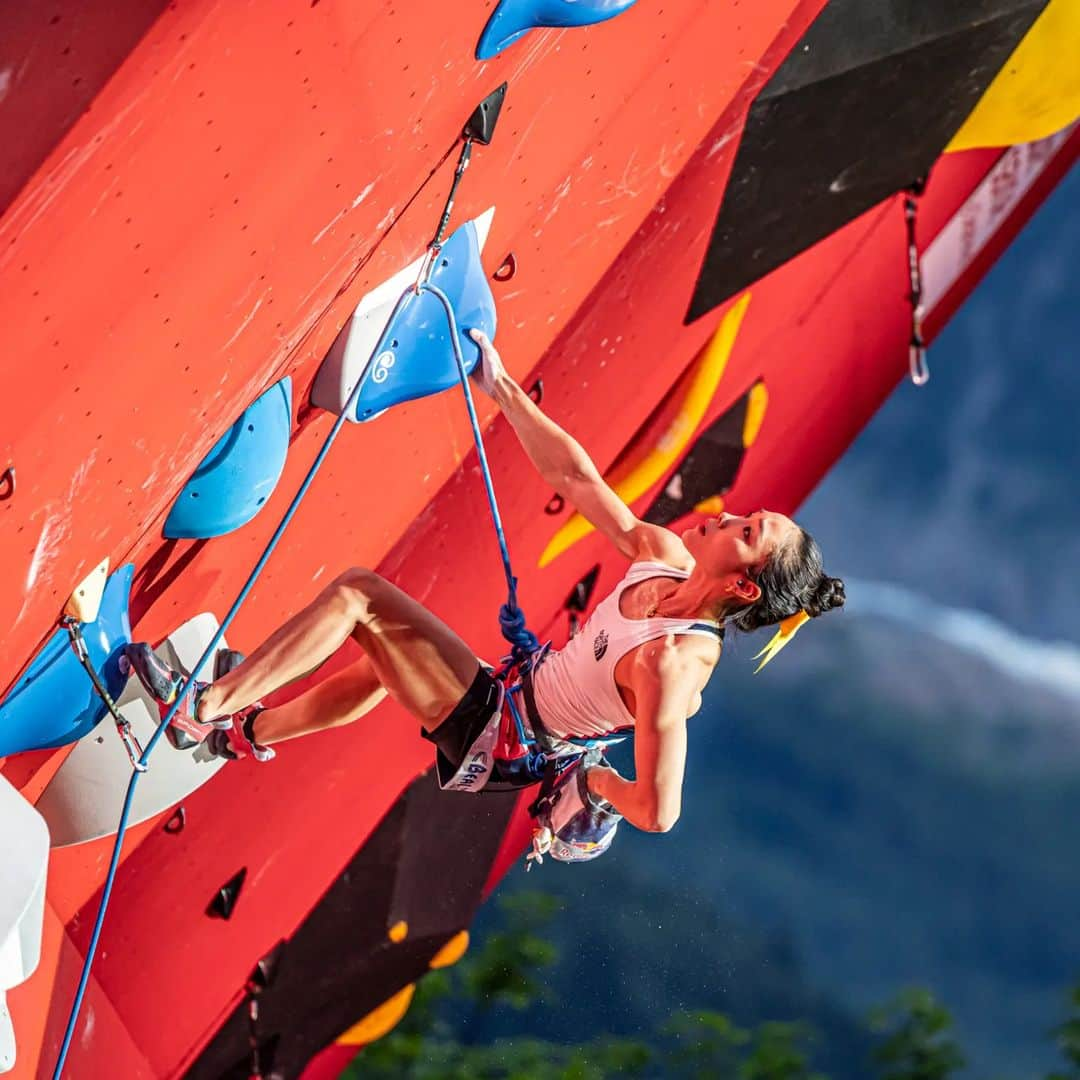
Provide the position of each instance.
(456, 734)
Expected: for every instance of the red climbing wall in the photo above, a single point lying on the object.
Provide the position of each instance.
(240, 179)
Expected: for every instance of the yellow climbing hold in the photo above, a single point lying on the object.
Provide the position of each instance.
(756, 405)
(85, 602)
(1037, 90)
(452, 951)
(380, 1021)
(632, 481)
(398, 932)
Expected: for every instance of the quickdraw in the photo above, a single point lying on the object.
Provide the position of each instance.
(917, 365)
(123, 728)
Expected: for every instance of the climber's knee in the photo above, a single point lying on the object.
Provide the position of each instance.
(355, 590)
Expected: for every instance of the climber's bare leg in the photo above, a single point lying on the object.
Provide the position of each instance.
(292, 651)
(344, 697)
(413, 654)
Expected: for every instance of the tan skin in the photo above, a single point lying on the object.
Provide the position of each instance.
(415, 658)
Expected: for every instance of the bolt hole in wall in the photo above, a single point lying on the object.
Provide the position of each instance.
(507, 268)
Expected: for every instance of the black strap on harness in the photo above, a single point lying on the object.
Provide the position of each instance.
(541, 733)
(551, 762)
(555, 763)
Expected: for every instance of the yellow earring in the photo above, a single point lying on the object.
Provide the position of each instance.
(788, 629)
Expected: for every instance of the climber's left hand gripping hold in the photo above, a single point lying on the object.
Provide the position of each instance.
(490, 369)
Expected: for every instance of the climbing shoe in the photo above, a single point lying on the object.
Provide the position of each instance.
(225, 661)
(238, 740)
(163, 684)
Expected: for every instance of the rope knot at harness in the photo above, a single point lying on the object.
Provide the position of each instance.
(512, 622)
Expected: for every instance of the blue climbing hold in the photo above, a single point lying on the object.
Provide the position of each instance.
(512, 18)
(55, 703)
(414, 356)
(239, 474)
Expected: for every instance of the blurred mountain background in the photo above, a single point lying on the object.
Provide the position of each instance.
(896, 800)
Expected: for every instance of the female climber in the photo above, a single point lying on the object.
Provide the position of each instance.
(640, 662)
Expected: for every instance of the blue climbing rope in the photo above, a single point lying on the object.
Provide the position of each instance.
(114, 861)
(511, 619)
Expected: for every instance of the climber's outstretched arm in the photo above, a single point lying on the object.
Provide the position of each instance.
(564, 464)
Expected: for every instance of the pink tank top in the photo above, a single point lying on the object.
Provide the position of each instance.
(574, 688)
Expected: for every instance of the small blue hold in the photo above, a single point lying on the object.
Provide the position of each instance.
(512, 18)
(238, 475)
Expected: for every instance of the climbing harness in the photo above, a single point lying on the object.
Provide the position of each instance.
(523, 642)
(920, 371)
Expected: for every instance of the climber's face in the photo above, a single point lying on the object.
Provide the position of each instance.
(731, 547)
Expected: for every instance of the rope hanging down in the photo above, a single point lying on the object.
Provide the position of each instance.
(511, 620)
(140, 765)
(511, 617)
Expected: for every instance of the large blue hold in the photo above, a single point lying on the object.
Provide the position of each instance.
(512, 18)
(55, 703)
(239, 474)
(414, 356)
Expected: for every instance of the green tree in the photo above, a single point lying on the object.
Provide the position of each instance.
(507, 971)
(776, 1054)
(706, 1044)
(918, 1043)
(1067, 1037)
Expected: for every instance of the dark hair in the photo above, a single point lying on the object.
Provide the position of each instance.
(792, 581)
